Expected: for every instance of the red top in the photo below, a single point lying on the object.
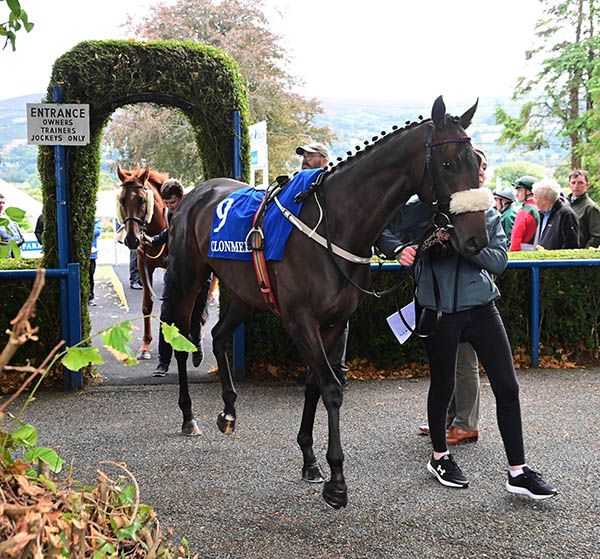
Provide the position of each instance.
(525, 225)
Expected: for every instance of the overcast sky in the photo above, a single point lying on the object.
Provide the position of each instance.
(400, 50)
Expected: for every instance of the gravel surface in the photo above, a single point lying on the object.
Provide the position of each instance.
(241, 496)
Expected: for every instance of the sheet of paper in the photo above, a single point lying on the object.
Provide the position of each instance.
(401, 332)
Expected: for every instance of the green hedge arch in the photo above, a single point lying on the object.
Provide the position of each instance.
(201, 81)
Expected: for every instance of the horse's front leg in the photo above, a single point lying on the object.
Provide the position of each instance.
(311, 470)
(305, 331)
(147, 304)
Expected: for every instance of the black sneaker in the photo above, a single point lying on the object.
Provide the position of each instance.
(531, 484)
(447, 472)
(161, 370)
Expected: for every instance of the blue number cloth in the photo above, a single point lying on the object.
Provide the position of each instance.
(233, 216)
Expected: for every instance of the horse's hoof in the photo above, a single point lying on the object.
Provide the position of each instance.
(143, 355)
(197, 357)
(313, 473)
(335, 495)
(226, 423)
(190, 428)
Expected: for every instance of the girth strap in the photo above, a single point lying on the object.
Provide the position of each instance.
(256, 241)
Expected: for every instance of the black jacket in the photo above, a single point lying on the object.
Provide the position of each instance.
(561, 230)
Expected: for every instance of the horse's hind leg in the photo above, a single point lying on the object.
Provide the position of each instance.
(178, 308)
(306, 333)
(236, 313)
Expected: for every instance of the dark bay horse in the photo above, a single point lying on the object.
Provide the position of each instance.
(142, 210)
(432, 158)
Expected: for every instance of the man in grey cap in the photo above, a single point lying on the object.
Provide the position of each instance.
(505, 198)
(314, 155)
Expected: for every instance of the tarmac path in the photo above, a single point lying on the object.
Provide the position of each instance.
(241, 496)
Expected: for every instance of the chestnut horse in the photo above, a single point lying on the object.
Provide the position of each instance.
(359, 197)
(141, 210)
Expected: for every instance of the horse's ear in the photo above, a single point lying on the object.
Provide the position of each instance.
(466, 118)
(144, 176)
(122, 176)
(438, 112)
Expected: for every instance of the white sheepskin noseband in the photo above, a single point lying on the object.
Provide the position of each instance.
(149, 206)
(473, 200)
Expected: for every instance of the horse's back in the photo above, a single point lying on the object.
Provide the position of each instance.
(190, 228)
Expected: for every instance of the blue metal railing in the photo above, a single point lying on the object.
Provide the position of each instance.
(70, 295)
(533, 265)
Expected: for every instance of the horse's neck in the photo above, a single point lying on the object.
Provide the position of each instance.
(363, 198)
(159, 218)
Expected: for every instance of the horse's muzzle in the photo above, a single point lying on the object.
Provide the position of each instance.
(131, 242)
(474, 245)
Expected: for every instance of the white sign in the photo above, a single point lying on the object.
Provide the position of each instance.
(57, 124)
(259, 152)
(398, 327)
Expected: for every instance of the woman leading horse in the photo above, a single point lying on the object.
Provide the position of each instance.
(433, 158)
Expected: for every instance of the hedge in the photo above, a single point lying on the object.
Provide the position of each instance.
(203, 82)
(569, 309)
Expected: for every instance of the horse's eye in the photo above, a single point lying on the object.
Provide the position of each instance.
(447, 165)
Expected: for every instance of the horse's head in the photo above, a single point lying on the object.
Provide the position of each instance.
(135, 204)
(451, 180)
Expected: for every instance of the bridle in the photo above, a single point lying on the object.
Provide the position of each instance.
(149, 198)
(440, 221)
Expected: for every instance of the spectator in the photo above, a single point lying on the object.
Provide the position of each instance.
(586, 210)
(463, 413)
(93, 257)
(172, 194)
(558, 226)
(315, 156)
(528, 217)
(505, 198)
(39, 229)
(10, 231)
(135, 281)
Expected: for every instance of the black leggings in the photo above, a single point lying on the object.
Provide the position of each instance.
(482, 327)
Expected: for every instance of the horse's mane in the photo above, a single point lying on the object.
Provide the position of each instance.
(375, 143)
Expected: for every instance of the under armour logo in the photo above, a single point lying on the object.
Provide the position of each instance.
(441, 470)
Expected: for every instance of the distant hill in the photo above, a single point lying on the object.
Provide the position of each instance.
(352, 121)
(356, 121)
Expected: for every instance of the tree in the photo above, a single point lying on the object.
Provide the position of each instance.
(558, 99)
(240, 28)
(17, 19)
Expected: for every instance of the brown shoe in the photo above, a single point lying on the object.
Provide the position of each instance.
(455, 435)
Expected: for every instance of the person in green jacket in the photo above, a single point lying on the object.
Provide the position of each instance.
(586, 210)
(505, 198)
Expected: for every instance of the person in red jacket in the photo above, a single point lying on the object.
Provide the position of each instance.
(528, 217)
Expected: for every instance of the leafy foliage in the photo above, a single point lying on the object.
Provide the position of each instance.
(240, 28)
(17, 20)
(560, 97)
(43, 515)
